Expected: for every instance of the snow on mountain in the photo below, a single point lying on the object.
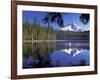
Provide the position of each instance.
(72, 27)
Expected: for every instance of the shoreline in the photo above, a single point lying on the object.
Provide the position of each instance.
(34, 41)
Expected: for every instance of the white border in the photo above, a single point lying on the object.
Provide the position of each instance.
(21, 71)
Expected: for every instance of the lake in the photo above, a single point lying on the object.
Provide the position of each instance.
(56, 54)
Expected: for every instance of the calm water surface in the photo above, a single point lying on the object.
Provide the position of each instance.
(55, 54)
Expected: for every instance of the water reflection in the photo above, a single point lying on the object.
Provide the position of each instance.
(55, 54)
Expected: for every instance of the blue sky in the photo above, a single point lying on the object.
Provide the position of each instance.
(68, 19)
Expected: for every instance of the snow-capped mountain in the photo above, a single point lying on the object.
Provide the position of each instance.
(72, 27)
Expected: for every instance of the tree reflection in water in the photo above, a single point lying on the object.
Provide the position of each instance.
(52, 54)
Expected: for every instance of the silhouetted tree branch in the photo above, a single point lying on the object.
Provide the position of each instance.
(54, 17)
(84, 18)
(58, 18)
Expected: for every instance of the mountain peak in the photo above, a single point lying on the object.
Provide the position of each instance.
(74, 23)
(71, 27)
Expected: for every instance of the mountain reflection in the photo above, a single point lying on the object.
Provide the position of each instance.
(73, 51)
(55, 54)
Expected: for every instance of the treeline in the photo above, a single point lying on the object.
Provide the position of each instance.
(34, 31)
(37, 32)
(63, 35)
